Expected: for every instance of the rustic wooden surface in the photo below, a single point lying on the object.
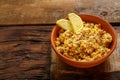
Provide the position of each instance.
(25, 48)
(25, 52)
(111, 67)
(48, 11)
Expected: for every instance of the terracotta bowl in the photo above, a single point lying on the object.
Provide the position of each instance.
(88, 18)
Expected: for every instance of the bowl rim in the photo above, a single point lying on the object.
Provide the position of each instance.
(88, 62)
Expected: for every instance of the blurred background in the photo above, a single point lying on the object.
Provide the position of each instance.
(48, 11)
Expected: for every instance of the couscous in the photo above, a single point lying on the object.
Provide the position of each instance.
(88, 44)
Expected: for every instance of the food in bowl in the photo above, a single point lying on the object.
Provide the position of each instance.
(82, 41)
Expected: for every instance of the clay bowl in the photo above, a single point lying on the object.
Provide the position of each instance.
(88, 18)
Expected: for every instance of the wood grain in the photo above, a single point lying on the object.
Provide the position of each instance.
(111, 67)
(48, 11)
(25, 52)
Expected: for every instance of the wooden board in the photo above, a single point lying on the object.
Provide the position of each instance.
(25, 52)
(111, 67)
(48, 11)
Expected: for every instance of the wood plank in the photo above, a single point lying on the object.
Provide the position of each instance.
(65, 75)
(25, 52)
(111, 67)
(48, 11)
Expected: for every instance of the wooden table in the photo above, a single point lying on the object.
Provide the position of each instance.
(25, 48)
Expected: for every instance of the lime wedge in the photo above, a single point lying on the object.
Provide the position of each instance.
(65, 24)
(76, 21)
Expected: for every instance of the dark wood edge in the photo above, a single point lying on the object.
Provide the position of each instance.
(52, 24)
